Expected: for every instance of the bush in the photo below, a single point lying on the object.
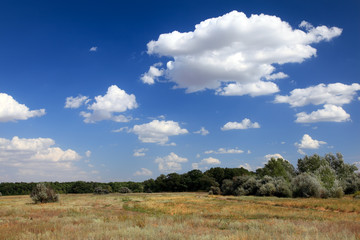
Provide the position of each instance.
(251, 186)
(283, 188)
(239, 191)
(43, 194)
(307, 185)
(227, 187)
(357, 195)
(100, 190)
(124, 190)
(0, 194)
(267, 189)
(214, 190)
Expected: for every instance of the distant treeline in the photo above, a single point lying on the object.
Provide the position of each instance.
(315, 176)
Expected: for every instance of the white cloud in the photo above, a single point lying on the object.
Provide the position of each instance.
(195, 165)
(224, 151)
(88, 153)
(330, 113)
(36, 159)
(11, 110)
(122, 129)
(238, 50)
(158, 131)
(93, 49)
(246, 166)
(308, 143)
(245, 124)
(336, 94)
(252, 89)
(153, 74)
(301, 151)
(170, 163)
(140, 152)
(248, 152)
(143, 172)
(276, 156)
(202, 131)
(76, 102)
(210, 161)
(115, 100)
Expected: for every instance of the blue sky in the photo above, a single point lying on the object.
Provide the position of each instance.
(117, 91)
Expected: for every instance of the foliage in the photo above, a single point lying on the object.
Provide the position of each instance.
(124, 190)
(214, 190)
(100, 190)
(307, 185)
(43, 194)
(277, 168)
(357, 195)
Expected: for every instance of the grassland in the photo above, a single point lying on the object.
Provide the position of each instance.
(178, 216)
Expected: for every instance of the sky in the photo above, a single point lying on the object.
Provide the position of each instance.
(128, 90)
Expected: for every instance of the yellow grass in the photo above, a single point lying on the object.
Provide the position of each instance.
(178, 216)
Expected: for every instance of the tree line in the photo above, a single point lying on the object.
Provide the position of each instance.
(314, 176)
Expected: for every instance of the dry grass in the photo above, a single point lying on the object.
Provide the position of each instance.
(178, 216)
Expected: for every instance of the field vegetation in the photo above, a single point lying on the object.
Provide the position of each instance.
(179, 216)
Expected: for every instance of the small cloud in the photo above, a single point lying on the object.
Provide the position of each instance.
(283, 143)
(245, 124)
(153, 74)
(248, 152)
(170, 163)
(301, 151)
(206, 161)
(93, 49)
(197, 155)
(140, 152)
(202, 131)
(225, 151)
(158, 131)
(246, 166)
(123, 129)
(308, 143)
(76, 102)
(90, 165)
(270, 156)
(143, 172)
(88, 153)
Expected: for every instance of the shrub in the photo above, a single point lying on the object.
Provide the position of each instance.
(227, 187)
(214, 190)
(239, 191)
(124, 190)
(43, 194)
(100, 190)
(251, 186)
(283, 188)
(307, 185)
(357, 195)
(267, 189)
(351, 184)
(0, 194)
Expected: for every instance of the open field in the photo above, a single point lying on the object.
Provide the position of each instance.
(178, 216)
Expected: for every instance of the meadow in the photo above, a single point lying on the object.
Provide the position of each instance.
(178, 216)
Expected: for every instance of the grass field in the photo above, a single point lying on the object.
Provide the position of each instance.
(178, 216)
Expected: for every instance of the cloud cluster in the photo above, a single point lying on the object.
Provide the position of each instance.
(153, 74)
(202, 131)
(206, 162)
(105, 107)
(170, 163)
(140, 152)
(11, 110)
(235, 54)
(37, 158)
(244, 124)
(270, 156)
(332, 96)
(143, 172)
(158, 131)
(308, 143)
(76, 102)
(225, 151)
